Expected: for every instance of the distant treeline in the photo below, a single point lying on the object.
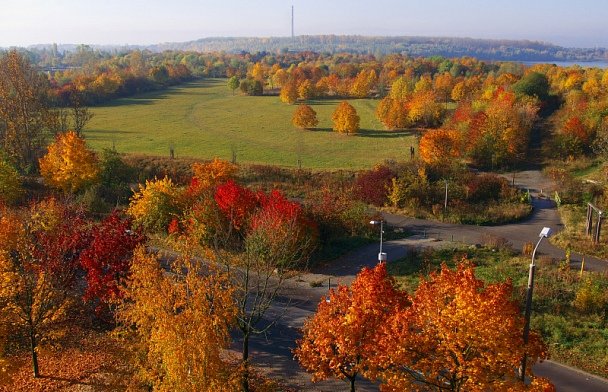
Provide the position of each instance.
(482, 49)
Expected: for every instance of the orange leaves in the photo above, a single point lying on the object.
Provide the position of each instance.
(213, 173)
(345, 118)
(459, 334)
(305, 117)
(455, 334)
(182, 321)
(340, 340)
(438, 145)
(69, 165)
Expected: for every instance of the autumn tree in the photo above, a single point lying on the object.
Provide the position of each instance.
(179, 321)
(258, 238)
(459, 334)
(439, 145)
(25, 113)
(289, 92)
(280, 240)
(69, 165)
(307, 90)
(393, 113)
(341, 339)
(107, 260)
(39, 251)
(305, 117)
(422, 108)
(156, 204)
(345, 118)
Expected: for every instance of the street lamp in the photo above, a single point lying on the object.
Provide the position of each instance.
(446, 195)
(381, 256)
(545, 233)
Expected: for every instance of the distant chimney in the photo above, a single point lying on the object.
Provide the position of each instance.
(292, 22)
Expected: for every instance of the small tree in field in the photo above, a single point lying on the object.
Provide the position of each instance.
(233, 83)
(345, 118)
(305, 117)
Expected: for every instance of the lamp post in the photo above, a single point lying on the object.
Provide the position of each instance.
(545, 233)
(381, 256)
(446, 195)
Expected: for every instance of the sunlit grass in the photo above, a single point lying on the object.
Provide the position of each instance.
(204, 120)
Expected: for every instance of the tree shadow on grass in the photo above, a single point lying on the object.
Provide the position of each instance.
(385, 134)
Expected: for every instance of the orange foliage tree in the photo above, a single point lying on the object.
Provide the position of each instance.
(180, 323)
(345, 118)
(341, 339)
(305, 117)
(289, 92)
(393, 113)
(458, 335)
(438, 145)
(69, 165)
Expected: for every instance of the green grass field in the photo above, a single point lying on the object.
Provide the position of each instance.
(204, 120)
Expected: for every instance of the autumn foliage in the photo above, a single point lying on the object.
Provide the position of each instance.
(439, 145)
(107, 260)
(459, 334)
(69, 165)
(345, 118)
(179, 322)
(454, 334)
(305, 117)
(341, 339)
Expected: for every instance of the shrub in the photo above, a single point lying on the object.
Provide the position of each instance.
(494, 241)
(372, 187)
(487, 187)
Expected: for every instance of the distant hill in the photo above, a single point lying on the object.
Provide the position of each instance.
(483, 49)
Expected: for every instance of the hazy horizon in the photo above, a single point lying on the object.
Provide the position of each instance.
(148, 22)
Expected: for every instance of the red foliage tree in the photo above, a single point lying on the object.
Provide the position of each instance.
(372, 186)
(107, 260)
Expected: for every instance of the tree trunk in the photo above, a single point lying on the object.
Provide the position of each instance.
(352, 382)
(246, 361)
(34, 354)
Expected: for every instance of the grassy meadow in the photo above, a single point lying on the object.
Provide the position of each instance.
(204, 120)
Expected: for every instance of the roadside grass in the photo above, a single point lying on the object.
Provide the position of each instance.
(204, 120)
(574, 336)
(574, 237)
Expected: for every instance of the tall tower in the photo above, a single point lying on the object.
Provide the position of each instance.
(292, 22)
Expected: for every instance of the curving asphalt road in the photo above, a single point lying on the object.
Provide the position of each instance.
(273, 351)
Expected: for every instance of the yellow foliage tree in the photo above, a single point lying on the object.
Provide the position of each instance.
(305, 117)
(345, 118)
(180, 322)
(289, 92)
(214, 173)
(69, 165)
(156, 204)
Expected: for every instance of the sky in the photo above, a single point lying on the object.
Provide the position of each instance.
(568, 23)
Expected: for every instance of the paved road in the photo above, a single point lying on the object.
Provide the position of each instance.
(273, 351)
